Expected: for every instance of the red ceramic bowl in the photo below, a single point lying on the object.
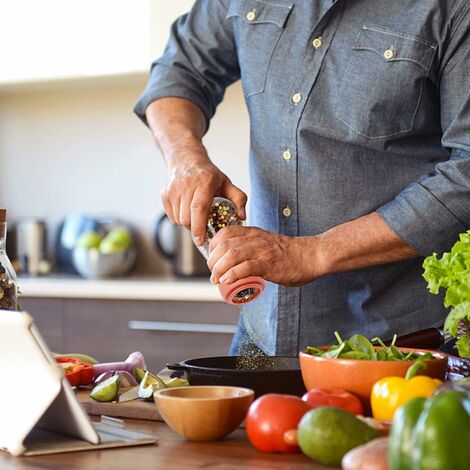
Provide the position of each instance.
(358, 376)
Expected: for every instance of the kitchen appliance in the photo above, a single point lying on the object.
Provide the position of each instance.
(69, 230)
(184, 257)
(263, 374)
(31, 246)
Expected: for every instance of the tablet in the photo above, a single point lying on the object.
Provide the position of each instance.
(39, 412)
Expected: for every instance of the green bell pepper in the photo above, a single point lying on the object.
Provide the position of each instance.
(432, 434)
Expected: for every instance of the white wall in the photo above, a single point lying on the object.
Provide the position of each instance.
(78, 147)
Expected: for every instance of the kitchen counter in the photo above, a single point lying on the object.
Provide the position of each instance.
(172, 452)
(130, 288)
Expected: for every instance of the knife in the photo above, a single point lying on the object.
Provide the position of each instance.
(429, 338)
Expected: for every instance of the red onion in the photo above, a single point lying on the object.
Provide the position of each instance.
(134, 360)
(127, 379)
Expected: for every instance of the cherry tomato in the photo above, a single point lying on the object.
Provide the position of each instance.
(270, 417)
(334, 397)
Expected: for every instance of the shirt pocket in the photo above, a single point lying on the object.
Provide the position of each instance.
(381, 89)
(258, 26)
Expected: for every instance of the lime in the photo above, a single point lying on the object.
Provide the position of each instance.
(149, 384)
(107, 390)
(326, 434)
(88, 240)
(117, 240)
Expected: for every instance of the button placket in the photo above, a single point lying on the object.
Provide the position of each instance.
(296, 98)
(286, 155)
(287, 211)
(317, 42)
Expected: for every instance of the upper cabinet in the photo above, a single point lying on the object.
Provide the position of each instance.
(57, 39)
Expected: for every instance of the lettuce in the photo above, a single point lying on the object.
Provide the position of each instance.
(452, 272)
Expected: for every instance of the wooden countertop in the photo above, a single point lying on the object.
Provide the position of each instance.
(173, 452)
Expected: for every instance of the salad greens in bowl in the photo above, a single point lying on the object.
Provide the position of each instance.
(360, 348)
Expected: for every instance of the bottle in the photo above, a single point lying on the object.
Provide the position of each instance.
(223, 214)
(8, 280)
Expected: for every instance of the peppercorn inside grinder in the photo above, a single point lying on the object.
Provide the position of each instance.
(223, 213)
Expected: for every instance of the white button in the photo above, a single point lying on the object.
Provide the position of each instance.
(296, 98)
(286, 212)
(286, 154)
(389, 53)
(251, 15)
(317, 42)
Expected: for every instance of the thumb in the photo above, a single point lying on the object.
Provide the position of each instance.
(237, 196)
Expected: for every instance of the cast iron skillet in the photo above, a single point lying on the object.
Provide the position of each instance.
(276, 374)
(263, 374)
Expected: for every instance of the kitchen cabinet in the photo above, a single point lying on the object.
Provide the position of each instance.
(164, 331)
(53, 39)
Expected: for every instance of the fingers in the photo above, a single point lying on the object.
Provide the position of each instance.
(240, 271)
(199, 211)
(237, 196)
(184, 209)
(167, 205)
(226, 233)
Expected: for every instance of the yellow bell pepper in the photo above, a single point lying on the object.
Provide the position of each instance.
(389, 393)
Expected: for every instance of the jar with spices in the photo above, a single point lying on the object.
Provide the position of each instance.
(8, 280)
(223, 214)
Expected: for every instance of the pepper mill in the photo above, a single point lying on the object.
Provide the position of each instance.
(223, 214)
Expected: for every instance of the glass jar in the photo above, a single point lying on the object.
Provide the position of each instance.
(8, 280)
(223, 214)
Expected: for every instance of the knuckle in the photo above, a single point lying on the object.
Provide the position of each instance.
(197, 205)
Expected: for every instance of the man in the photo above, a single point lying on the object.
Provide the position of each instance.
(359, 158)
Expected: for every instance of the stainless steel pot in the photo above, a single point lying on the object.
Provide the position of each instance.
(185, 259)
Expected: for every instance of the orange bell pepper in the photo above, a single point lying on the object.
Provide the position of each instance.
(76, 371)
(389, 393)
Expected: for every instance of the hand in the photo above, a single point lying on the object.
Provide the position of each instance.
(237, 252)
(188, 196)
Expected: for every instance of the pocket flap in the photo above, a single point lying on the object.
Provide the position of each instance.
(394, 46)
(258, 11)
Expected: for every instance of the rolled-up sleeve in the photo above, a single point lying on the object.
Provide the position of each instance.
(430, 213)
(199, 61)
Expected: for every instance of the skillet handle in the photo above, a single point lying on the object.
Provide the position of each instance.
(176, 366)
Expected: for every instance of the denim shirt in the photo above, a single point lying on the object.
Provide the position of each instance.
(355, 106)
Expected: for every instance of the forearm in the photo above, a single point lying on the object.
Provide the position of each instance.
(366, 241)
(177, 125)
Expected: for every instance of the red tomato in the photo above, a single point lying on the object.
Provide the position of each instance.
(334, 397)
(269, 417)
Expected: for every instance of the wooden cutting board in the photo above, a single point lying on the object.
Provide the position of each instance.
(136, 409)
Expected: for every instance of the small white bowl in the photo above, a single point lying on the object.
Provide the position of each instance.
(92, 264)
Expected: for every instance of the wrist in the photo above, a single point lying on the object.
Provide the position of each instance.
(311, 258)
(185, 153)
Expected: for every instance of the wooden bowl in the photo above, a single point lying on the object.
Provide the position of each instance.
(203, 413)
(358, 376)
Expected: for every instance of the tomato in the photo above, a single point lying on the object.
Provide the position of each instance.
(334, 397)
(270, 417)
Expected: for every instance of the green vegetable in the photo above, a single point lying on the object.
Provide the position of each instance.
(452, 273)
(359, 347)
(432, 434)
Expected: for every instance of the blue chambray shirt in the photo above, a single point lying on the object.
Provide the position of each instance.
(355, 106)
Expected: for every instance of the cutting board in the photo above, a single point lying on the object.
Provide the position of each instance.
(136, 409)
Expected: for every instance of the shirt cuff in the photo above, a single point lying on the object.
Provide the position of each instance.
(175, 91)
(421, 220)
